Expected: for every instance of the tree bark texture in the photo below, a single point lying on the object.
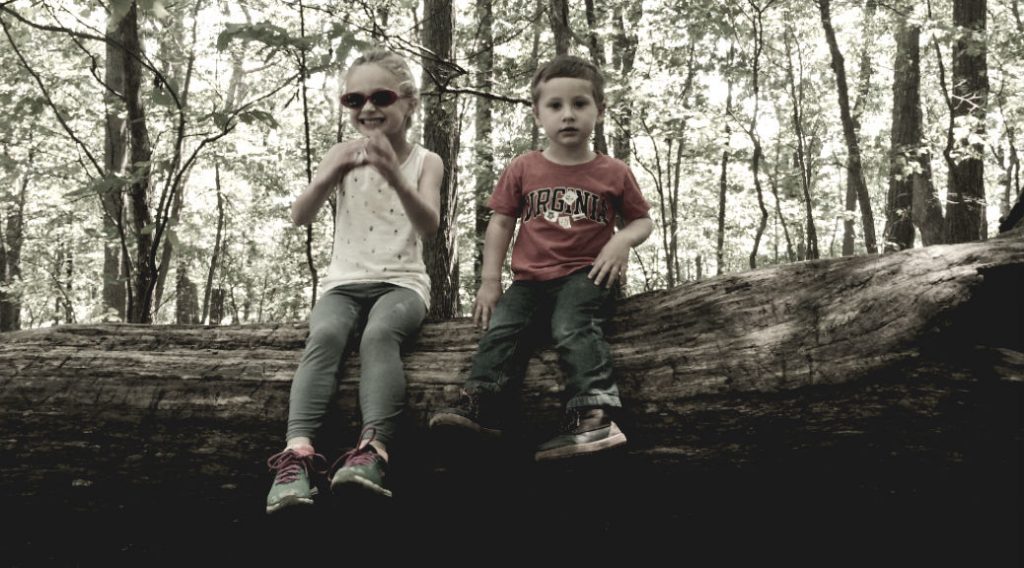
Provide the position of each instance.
(216, 254)
(904, 156)
(779, 387)
(13, 235)
(558, 14)
(965, 199)
(440, 134)
(484, 151)
(782, 331)
(723, 177)
(623, 56)
(595, 15)
(863, 90)
(115, 146)
(140, 300)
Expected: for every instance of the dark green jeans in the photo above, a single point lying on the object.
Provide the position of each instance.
(576, 310)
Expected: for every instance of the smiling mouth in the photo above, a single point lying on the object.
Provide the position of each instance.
(371, 121)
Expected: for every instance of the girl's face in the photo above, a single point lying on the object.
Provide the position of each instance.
(366, 80)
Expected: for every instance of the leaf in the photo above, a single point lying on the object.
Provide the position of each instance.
(163, 98)
(220, 119)
(263, 32)
(265, 117)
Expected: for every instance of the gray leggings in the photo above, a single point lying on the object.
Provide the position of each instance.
(392, 315)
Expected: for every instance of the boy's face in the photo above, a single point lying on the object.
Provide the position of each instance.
(567, 112)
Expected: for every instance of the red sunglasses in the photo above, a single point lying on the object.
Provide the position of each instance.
(380, 99)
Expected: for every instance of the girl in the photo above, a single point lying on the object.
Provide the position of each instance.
(388, 201)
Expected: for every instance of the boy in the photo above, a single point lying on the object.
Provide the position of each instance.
(565, 260)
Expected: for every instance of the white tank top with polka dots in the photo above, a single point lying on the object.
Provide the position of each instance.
(374, 240)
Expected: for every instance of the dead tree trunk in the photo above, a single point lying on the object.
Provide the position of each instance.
(872, 382)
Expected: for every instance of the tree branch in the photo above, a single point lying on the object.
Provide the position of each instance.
(49, 100)
(482, 94)
(60, 29)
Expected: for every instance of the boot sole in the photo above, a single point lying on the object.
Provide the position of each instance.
(614, 440)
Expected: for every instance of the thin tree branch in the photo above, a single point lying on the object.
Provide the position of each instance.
(49, 100)
(482, 94)
(61, 29)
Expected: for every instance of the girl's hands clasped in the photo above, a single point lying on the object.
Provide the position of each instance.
(382, 157)
(343, 158)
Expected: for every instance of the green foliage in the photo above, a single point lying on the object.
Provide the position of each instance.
(243, 81)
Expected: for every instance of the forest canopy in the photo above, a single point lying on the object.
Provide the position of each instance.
(151, 149)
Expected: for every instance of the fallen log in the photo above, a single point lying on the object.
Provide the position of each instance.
(903, 370)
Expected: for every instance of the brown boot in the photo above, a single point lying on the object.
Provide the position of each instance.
(586, 430)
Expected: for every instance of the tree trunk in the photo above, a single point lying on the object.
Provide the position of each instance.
(112, 198)
(773, 183)
(906, 139)
(854, 170)
(755, 139)
(965, 198)
(10, 268)
(594, 22)
(308, 155)
(532, 64)
(440, 134)
(723, 178)
(623, 56)
(4, 294)
(1015, 216)
(484, 149)
(803, 161)
(558, 14)
(67, 283)
(167, 252)
(217, 307)
(215, 256)
(140, 298)
(905, 368)
(863, 89)
(187, 301)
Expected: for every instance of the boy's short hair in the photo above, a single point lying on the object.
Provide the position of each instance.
(572, 67)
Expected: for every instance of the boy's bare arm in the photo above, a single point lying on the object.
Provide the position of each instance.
(610, 264)
(496, 240)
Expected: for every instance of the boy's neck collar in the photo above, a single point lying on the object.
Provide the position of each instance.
(569, 158)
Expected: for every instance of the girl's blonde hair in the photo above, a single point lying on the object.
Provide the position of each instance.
(397, 66)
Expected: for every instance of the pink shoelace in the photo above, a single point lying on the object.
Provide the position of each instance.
(288, 464)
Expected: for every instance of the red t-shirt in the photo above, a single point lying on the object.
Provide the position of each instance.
(567, 213)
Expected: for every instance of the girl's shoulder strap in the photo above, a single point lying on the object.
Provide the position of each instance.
(418, 154)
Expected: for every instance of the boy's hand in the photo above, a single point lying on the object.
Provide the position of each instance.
(486, 298)
(610, 264)
(381, 156)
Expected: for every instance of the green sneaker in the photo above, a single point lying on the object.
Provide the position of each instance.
(293, 485)
(362, 470)
(586, 430)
